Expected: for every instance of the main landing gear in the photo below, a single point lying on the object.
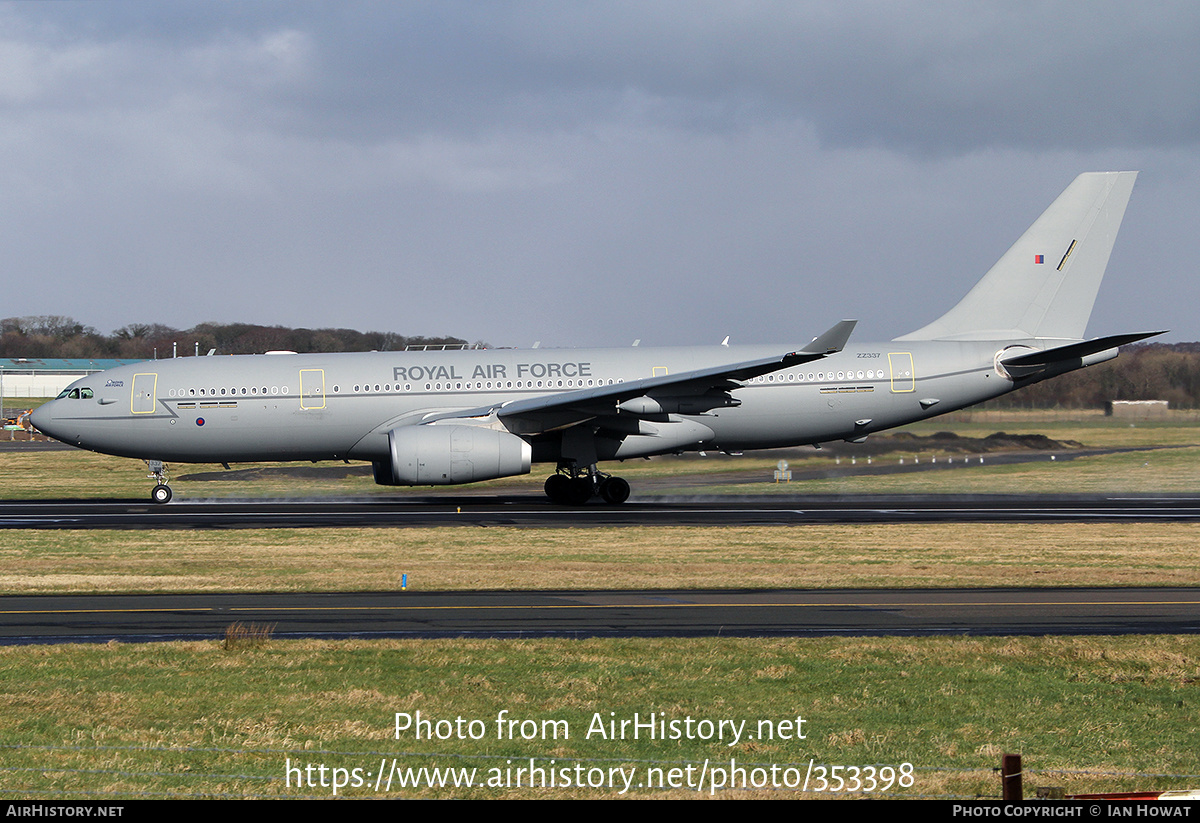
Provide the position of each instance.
(574, 486)
(161, 493)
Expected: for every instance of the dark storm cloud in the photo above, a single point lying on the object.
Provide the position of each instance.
(931, 78)
(474, 168)
(925, 77)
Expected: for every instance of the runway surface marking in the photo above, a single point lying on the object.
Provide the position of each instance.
(532, 511)
(107, 611)
(567, 606)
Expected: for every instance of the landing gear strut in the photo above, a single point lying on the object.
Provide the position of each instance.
(161, 493)
(573, 486)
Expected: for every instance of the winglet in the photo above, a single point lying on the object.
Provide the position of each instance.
(830, 342)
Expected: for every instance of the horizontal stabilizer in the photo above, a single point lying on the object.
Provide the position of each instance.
(1023, 365)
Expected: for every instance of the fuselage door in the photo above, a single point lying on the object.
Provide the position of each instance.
(143, 400)
(312, 388)
(904, 378)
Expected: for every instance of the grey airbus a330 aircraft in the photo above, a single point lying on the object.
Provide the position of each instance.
(448, 417)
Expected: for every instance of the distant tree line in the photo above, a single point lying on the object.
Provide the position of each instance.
(53, 336)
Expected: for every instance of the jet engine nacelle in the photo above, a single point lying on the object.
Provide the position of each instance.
(445, 455)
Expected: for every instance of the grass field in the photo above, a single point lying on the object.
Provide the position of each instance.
(194, 719)
(915, 555)
(200, 719)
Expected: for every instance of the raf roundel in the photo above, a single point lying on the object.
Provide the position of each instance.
(199, 421)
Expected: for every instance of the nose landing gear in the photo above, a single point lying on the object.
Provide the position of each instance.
(161, 493)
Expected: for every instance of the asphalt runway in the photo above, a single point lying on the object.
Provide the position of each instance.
(535, 511)
(100, 618)
(577, 614)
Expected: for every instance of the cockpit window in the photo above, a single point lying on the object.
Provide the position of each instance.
(75, 394)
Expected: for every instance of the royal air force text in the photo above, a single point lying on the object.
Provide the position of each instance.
(492, 371)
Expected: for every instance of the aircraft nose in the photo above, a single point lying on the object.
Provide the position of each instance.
(42, 418)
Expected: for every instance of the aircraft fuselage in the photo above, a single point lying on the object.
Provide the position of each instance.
(342, 406)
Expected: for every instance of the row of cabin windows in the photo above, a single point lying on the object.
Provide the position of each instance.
(792, 377)
(252, 390)
(870, 374)
(388, 387)
(482, 384)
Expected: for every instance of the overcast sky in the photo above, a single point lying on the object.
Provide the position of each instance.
(583, 173)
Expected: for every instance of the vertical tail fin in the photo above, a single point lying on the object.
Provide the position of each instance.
(1046, 284)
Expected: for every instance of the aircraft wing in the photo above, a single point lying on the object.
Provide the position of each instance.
(563, 409)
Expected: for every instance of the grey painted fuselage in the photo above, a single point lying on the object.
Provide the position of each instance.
(342, 406)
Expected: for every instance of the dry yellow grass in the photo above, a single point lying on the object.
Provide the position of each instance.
(941, 555)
